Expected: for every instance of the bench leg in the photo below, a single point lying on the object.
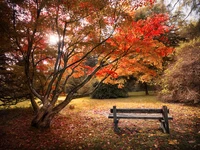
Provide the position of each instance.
(162, 125)
(167, 127)
(116, 129)
(115, 120)
(165, 119)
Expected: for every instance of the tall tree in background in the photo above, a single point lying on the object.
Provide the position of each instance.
(183, 9)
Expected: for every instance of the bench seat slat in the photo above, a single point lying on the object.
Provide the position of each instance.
(139, 116)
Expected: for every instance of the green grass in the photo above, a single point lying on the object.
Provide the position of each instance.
(87, 127)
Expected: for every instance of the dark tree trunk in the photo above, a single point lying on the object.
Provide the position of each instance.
(146, 88)
(34, 104)
(43, 119)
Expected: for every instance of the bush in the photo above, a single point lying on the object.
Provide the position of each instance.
(106, 91)
(180, 82)
(83, 91)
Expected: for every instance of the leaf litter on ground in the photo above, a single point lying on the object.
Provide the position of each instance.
(86, 126)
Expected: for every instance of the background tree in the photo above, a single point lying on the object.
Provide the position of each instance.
(181, 10)
(190, 30)
(13, 88)
(144, 52)
(169, 39)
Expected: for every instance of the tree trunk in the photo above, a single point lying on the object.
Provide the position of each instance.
(146, 88)
(34, 104)
(43, 118)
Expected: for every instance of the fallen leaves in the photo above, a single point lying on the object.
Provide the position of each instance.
(87, 127)
(192, 142)
(173, 142)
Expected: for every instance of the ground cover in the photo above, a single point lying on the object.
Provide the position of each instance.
(83, 124)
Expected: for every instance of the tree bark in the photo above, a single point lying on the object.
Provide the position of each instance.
(34, 104)
(146, 88)
(43, 118)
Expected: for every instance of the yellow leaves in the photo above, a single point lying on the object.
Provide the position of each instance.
(150, 135)
(79, 72)
(110, 80)
(173, 142)
(145, 78)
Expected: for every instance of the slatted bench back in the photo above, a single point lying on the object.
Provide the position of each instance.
(139, 110)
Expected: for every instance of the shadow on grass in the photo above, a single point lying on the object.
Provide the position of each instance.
(16, 132)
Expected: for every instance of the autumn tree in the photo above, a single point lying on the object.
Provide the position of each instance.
(82, 28)
(143, 48)
(101, 29)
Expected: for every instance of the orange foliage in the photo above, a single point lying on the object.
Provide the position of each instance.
(82, 23)
(143, 50)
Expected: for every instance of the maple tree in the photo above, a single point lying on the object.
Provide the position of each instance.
(102, 29)
(140, 43)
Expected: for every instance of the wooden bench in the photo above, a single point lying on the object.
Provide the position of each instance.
(156, 114)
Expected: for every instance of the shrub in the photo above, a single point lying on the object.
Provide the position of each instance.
(106, 91)
(180, 82)
(84, 91)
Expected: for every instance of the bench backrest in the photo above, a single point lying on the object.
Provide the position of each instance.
(138, 110)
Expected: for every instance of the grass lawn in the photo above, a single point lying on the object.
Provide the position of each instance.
(86, 127)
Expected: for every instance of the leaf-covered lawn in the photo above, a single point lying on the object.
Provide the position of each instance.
(84, 125)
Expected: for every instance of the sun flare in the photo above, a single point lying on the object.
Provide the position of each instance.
(52, 39)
